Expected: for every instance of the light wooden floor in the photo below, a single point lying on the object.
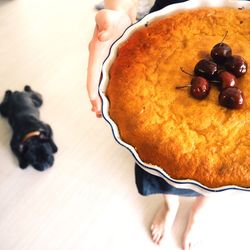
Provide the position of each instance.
(87, 200)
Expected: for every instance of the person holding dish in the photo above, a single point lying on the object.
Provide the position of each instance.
(110, 24)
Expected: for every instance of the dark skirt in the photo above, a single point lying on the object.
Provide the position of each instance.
(146, 183)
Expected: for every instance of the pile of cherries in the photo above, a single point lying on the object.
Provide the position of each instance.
(223, 70)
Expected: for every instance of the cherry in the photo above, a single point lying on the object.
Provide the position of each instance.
(205, 68)
(226, 79)
(223, 71)
(237, 65)
(220, 52)
(200, 87)
(231, 97)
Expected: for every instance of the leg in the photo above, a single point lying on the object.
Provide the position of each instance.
(164, 218)
(197, 212)
(35, 96)
(4, 106)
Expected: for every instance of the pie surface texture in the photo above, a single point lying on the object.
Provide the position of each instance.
(187, 138)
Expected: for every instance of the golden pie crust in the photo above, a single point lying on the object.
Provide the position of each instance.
(187, 138)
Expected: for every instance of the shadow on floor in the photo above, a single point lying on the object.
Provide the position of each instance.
(4, 2)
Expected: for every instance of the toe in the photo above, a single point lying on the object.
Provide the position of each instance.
(187, 243)
(157, 234)
(156, 237)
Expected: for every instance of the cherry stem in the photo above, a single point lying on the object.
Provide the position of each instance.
(184, 71)
(224, 38)
(214, 81)
(183, 86)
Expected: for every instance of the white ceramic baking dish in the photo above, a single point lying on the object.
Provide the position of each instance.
(167, 11)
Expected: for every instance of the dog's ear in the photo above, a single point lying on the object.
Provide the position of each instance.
(20, 148)
(23, 163)
(44, 136)
(47, 135)
(4, 106)
(50, 141)
(16, 146)
(53, 146)
(46, 131)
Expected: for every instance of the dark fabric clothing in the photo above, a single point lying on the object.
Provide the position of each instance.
(159, 4)
(146, 183)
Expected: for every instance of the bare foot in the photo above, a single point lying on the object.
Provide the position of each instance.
(192, 234)
(163, 221)
(158, 225)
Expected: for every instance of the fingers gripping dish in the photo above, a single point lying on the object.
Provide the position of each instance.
(186, 137)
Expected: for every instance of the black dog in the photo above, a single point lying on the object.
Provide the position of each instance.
(32, 141)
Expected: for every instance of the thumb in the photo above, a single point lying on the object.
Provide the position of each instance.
(111, 23)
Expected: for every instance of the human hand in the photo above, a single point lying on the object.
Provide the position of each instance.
(110, 24)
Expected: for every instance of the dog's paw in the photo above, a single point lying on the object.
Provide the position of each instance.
(27, 88)
(4, 106)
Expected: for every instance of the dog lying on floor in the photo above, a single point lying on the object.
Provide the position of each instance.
(32, 141)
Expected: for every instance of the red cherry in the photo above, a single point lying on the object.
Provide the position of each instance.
(237, 65)
(227, 79)
(220, 52)
(231, 97)
(205, 68)
(200, 87)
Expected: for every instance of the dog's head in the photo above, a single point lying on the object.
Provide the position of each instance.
(38, 153)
